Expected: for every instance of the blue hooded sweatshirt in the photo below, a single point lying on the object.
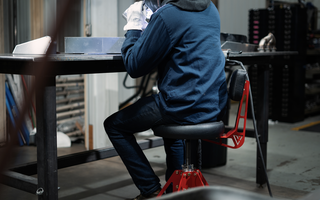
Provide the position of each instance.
(184, 46)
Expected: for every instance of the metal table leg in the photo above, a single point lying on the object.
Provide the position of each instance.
(262, 124)
(46, 139)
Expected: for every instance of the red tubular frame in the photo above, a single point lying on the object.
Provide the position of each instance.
(234, 134)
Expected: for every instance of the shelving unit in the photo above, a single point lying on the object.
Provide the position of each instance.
(70, 105)
(286, 78)
(312, 84)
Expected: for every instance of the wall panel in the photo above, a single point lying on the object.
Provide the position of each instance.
(36, 7)
(234, 14)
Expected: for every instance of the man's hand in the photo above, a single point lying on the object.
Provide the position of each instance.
(136, 17)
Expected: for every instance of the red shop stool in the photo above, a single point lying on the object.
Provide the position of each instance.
(189, 177)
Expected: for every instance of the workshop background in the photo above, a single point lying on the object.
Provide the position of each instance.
(294, 97)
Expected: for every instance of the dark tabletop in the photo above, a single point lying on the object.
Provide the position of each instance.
(63, 64)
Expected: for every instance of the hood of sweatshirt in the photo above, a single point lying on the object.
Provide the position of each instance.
(189, 5)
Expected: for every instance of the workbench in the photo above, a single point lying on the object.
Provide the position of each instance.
(47, 165)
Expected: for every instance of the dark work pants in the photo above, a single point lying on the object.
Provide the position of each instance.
(141, 116)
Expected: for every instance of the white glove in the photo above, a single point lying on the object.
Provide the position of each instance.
(136, 17)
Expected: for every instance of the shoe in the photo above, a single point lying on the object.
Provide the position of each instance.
(141, 197)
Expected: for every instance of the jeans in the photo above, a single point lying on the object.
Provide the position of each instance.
(141, 116)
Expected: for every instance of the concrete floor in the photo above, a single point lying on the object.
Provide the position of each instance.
(293, 164)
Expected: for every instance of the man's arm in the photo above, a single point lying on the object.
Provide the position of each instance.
(142, 52)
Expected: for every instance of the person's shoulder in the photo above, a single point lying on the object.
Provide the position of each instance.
(163, 13)
(164, 9)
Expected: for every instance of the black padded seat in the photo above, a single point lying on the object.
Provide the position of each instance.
(210, 130)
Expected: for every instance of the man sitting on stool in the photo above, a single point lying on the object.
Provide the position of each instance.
(182, 40)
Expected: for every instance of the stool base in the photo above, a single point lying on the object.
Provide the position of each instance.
(182, 180)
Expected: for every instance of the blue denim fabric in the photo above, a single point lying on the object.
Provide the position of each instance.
(121, 126)
(185, 49)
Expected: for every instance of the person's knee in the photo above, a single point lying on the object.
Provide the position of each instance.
(107, 125)
(112, 129)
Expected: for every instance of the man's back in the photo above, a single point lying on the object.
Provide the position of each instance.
(185, 46)
(193, 76)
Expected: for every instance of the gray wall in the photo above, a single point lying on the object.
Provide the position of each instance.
(104, 90)
(234, 14)
(123, 92)
(16, 22)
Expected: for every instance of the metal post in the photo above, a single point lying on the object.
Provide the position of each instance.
(46, 138)
(187, 152)
(262, 123)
